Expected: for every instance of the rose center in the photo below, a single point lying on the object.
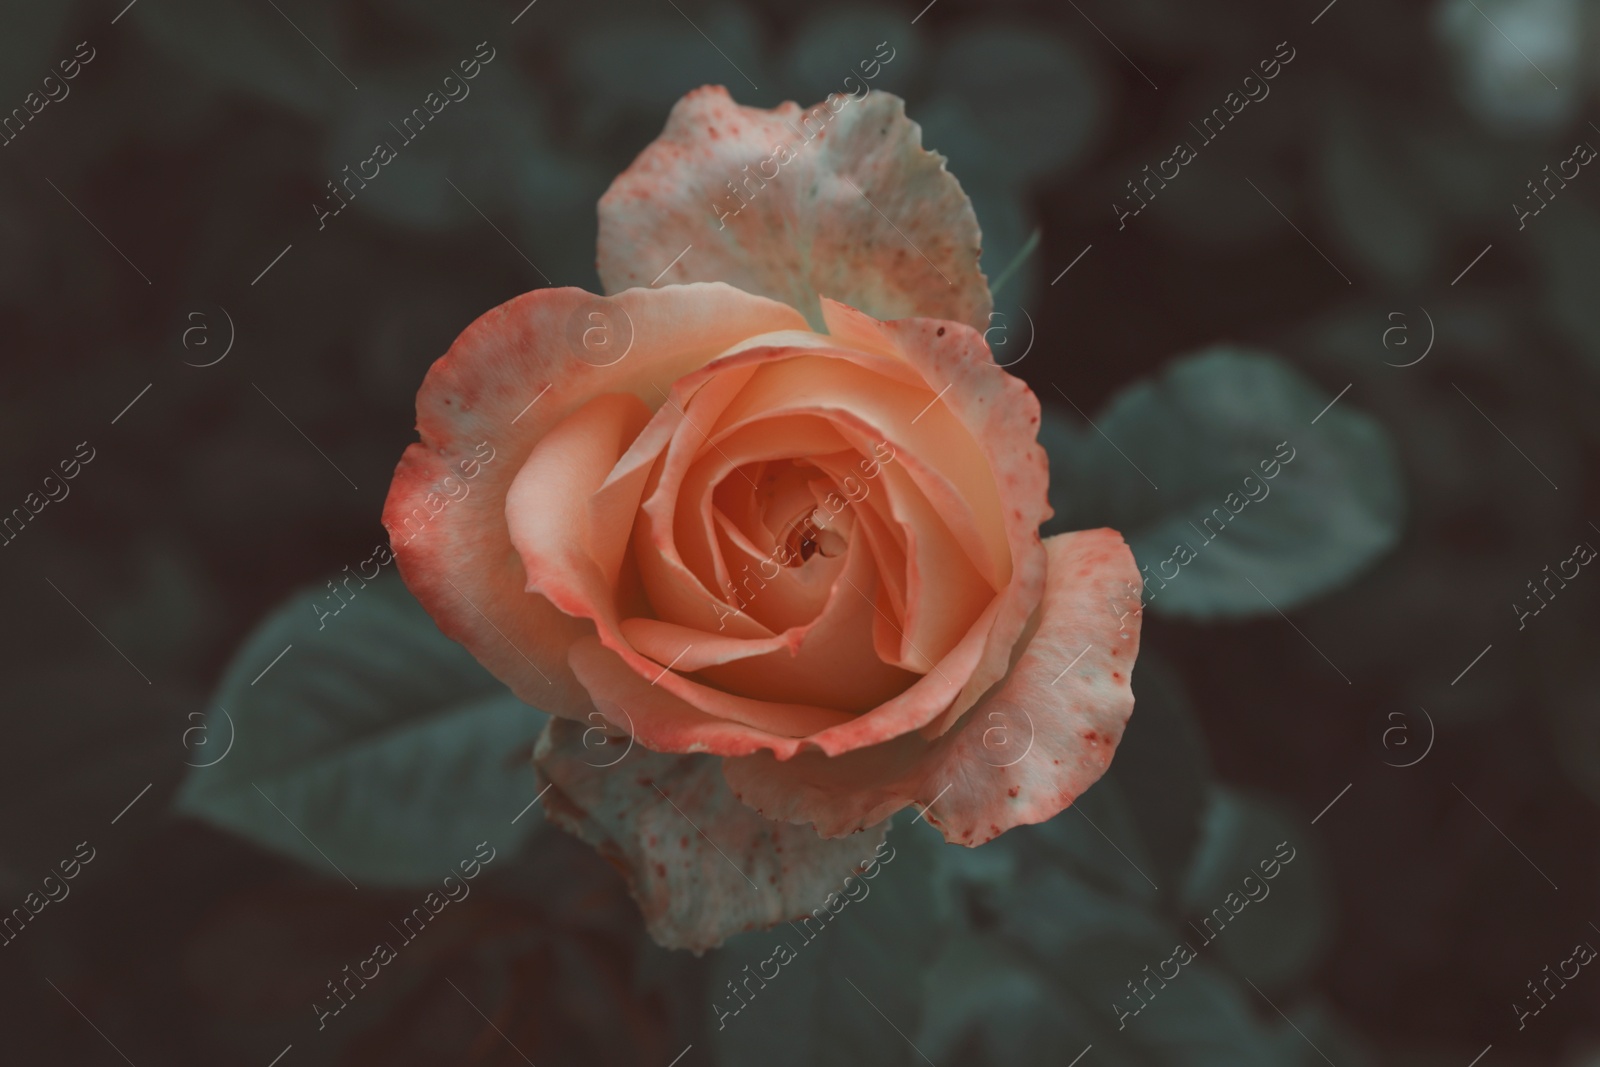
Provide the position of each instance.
(810, 534)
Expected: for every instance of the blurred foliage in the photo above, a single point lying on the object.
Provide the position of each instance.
(1019, 951)
(384, 744)
(1221, 429)
(1396, 144)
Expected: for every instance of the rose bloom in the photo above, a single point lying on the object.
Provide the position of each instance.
(760, 528)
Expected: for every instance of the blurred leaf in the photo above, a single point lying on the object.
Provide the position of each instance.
(1466, 174)
(251, 49)
(1200, 432)
(477, 141)
(1053, 910)
(1130, 837)
(1169, 29)
(1163, 769)
(375, 745)
(553, 199)
(1274, 939)
(1217, 197)
(1032, 102)
(29, 47)
(1099, 840)
(1370, 207)
(1510, 86)
(1001, 280)
(1005, 219)
(1093, 948)
(556, 962)
(1052, 952)
(869, 959)
(642, 66)
(986, 1006)
(1568, 247)
(834, 45)
(1005, 216)
(1316, 1037)
(1210, 203)
(1201, 1019)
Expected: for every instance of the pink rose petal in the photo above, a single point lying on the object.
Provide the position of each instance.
(852, 208)
(1064, 705)
(507, 380)
(702, 866)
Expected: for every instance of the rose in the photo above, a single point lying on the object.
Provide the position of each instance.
(791, 549)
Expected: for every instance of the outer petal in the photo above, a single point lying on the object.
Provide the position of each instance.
(511, 376)
(838, 201)
(1022, 754)
(702, 866)
(1074, 717)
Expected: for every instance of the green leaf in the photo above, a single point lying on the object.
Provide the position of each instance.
(1126, 842)
(1193, 446)
(1090, 946)
(1282, 923)
(1202, 1019)
(1163, 770)
(652, 59)
(1023, 951)
(1506, 88)
(986, 1004)
(843, 43)
(1033, 101)
(375, 748)
(881, 943)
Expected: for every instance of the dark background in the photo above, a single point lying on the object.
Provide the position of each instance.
(186, 157)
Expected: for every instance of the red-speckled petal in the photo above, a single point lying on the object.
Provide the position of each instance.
(1023, 753)
(509, 378)
(1075, 717)
(702, 866)
(840, 200)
